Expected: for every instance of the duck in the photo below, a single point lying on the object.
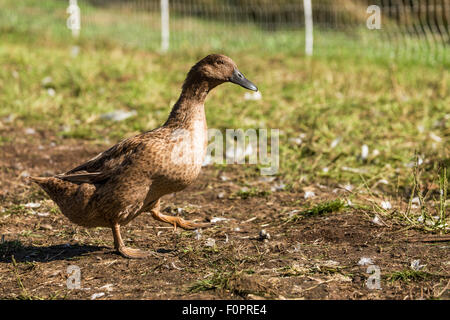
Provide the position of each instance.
(129, 178)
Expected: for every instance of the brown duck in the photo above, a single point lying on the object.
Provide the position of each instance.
(129, 178)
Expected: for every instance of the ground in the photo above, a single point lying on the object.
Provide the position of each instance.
(315, 257)
(362, 182)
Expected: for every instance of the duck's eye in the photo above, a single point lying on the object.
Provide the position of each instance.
(219, 62)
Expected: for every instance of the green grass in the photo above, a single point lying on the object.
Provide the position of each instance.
(348, 92)
(252, 192)
(409, 275)
(217, 281)
(16, 209)
(319, 209)
(237, 283)
(133, 27)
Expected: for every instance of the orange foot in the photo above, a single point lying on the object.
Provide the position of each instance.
(120, 246)
(132, 253)
(178, 222)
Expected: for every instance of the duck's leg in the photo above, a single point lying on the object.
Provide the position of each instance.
(124, 251)
(175, 221)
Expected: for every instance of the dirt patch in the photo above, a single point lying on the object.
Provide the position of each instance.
(316, 257)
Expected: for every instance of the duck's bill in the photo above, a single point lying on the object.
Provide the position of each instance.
(239, 79)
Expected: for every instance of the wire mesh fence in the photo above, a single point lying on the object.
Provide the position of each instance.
(398, 28)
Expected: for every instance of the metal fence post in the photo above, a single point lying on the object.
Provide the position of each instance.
(309, 39)
(165, 33)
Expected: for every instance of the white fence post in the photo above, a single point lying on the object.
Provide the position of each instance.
(74, 21)
(165, 33)
(309, 38)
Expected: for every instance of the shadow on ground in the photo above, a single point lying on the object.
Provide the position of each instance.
(21, 253)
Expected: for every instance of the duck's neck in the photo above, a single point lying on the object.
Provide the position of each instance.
(190, 105)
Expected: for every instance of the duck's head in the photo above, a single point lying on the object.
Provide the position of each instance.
(217, 69)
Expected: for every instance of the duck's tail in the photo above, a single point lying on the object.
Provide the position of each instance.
(55, 187)
(46, 183)
(38, 180)
(70, 197)
(50, 185)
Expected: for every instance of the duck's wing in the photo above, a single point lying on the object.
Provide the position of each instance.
(87, 177)
(106, 164)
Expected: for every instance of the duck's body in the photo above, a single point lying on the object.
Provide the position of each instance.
(120, 183)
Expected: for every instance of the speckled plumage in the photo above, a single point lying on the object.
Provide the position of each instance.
(129, 178)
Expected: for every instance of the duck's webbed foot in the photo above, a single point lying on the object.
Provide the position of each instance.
(176, 221)
(132, 253)
(122, 249)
